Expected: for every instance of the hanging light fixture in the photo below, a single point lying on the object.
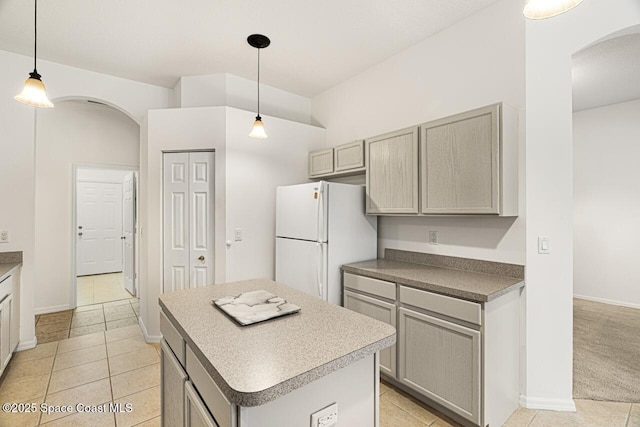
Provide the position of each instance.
(541, 9)
(259, 42)
(34, 93)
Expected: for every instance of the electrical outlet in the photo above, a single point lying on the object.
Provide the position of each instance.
(238, 234)
(433, 237)
(4, 236)
(327, 417)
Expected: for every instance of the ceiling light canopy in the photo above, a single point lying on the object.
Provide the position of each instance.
(259, 42)
(542, 9)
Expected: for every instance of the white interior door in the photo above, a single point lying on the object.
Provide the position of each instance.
(129, 216)
(188, 223)
(201, 218)
(99, 220)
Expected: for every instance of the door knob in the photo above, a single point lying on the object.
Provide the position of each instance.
(123, 237)
(80, 234)
(201, 257)
(80, 227)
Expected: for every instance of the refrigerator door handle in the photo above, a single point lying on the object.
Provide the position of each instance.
(320, 211)
(319, 270)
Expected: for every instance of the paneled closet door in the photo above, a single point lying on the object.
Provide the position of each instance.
(188, 180)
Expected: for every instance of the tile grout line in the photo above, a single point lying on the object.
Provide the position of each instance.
(46, 391)
(412, 416)
(534, 417)
(626, 423)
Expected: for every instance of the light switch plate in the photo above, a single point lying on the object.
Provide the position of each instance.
(327, 417)
(4, 236)
(433, 237)
(543, 245)
(238, 234)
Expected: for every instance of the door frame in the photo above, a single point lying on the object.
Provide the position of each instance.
(73, 300)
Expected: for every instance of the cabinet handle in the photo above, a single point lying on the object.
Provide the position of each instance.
(201, 257)
(80, 234)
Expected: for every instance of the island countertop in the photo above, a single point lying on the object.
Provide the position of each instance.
(469, 285)
(256, 364)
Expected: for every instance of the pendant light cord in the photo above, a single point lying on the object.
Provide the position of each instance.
(258, 81)
(35, 37)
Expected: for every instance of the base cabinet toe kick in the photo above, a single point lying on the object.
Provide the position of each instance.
(459, 356)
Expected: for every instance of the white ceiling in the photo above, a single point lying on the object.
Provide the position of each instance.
(607, 73)
(314, 44)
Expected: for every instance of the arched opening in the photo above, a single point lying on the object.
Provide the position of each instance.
(91, 146)
(606, 230)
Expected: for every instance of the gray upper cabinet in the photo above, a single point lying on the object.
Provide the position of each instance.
(392, 172)
(349, 156)
(464, 166)
(320, 162)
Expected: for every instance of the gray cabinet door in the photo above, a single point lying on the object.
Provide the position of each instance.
(5, 332)
(441, 360)
(195, 412)
(379, 310)
(460, 163)
(349, 156)
(320, 162)
(392, 172)
(172, 388)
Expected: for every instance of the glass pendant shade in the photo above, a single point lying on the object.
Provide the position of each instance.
(34, 93)
(542, 9)
(258, 129)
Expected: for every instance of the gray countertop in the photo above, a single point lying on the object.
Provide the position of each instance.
(473, 286)
(7, 268)
(256, 364)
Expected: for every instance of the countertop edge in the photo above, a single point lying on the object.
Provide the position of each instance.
(261, 397)
(440, 289)
(10, 270)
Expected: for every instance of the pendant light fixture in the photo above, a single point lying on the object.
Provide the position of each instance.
(34, 93)
(259, 42)
(542, 9)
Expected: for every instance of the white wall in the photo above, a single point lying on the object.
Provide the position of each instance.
(476, 62)
(228, 90)
(606, 207)
(247, 172)
(549, 185)
(17, 176)
(72, 132)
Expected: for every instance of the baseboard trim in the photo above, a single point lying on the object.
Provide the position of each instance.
(550, 404)
(148, 338)
(52, 309)
(27, 345)
(608, 301)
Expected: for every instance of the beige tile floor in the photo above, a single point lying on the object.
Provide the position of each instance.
(115, 366)
(101, 288)
(589, 413)
(87, 320)
(398, 409)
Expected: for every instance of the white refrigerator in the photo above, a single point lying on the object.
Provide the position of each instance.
(319, 227)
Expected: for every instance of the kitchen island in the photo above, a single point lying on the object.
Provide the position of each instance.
(274, 373)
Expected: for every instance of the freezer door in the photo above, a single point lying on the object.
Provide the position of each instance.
(302, 265)
(301, 212)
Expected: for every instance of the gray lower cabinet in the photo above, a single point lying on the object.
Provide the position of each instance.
(195, 411)
(5, 331)
(392, 173)
(172, 393)
(441, 360)
(379, 310)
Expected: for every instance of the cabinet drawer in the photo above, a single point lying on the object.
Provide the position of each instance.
(172, 337)
(218, 405)
(456, 308)
(349, 156)
(371, 286)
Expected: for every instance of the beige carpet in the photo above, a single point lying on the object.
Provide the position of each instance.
(606, 352)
